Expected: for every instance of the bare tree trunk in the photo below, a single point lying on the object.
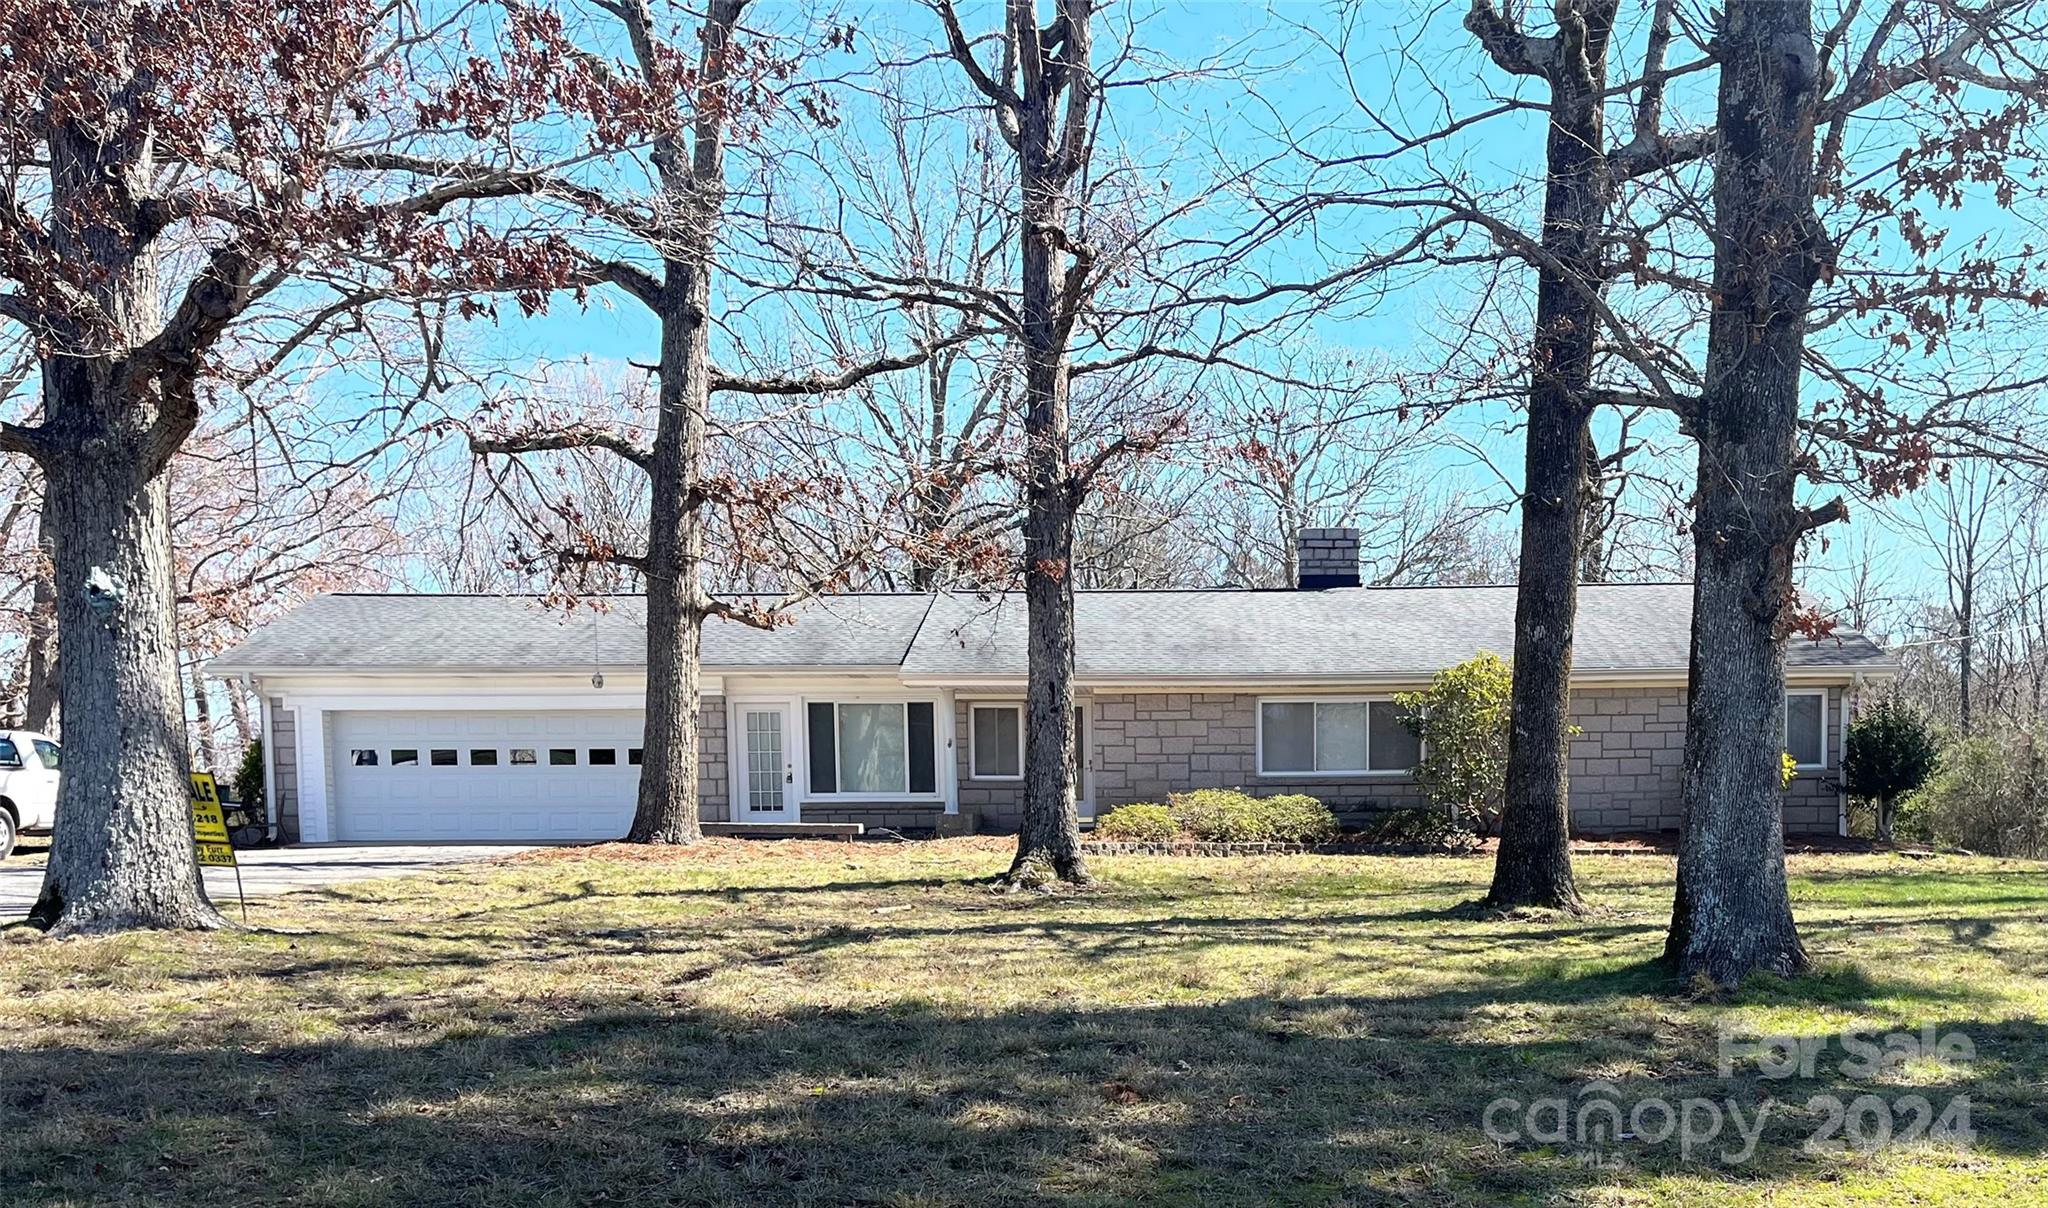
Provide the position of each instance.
(668, 810)
(1049, 841)
(1733, 913)
(39, 712)
(123, 855)
(1966, 649)
(1533, 867)
(202, 709)
(238, 709)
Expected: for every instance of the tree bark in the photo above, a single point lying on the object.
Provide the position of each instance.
(1533, 866)
(122, 856)
(669, 809)
(1049, 840)
(1733, 912)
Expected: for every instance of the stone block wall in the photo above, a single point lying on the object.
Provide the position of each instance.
(1149, 745)
(714, 772)
(1624, 763)
(997, 806)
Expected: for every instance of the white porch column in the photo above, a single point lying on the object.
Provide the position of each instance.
(314, 816)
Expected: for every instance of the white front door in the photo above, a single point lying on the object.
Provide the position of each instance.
(764, 762)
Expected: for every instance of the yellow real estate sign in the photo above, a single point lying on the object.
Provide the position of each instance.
(209, 828)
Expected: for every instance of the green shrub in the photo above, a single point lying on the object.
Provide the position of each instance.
(1221, 816)
(1147, 823)
(1298, 818)
(1431, 827)
(1462, 719)
(1986, 795)
(1891, 752)
(249, 776)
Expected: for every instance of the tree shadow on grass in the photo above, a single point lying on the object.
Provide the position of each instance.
(1345, 1099)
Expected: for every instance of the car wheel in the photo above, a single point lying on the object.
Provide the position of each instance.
(6, 834)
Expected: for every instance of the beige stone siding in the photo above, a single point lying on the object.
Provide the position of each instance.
(996, 806)
(1624, 762)
(714, 790)
(1149, 745)
(284, 769)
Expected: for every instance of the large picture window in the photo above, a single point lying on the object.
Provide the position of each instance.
(1334, 737)
(879, 749)
(1806, 728)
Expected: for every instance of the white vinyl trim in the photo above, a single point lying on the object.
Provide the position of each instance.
(1822, 694)
(974, 771)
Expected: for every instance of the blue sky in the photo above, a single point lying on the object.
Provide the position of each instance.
(1411, 60)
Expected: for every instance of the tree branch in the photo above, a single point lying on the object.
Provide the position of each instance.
(577, 437)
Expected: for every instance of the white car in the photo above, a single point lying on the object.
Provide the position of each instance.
(28, 784)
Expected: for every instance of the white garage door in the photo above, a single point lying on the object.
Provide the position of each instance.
(470, 777)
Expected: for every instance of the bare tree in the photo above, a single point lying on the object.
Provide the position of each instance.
(167, 168)
(687, 119)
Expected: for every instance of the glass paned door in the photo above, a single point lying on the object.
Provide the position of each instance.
(767, 791)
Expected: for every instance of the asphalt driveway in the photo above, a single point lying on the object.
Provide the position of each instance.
(264, 872)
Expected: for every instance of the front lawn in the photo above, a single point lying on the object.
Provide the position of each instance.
(829, 1024)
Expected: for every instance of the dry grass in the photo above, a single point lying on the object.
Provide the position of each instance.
(820, 1023)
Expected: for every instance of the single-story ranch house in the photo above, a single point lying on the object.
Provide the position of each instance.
(428, 718)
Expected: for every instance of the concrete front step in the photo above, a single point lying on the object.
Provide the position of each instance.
(786, 830)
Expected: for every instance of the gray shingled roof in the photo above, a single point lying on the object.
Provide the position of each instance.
(1341, 633)
(1346, 632)
(397, 632)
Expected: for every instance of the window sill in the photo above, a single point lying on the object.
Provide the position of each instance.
(995, 779)
(1397, 775)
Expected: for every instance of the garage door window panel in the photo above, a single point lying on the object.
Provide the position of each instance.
(604, 757)
(523, 757)
(405, 757)
(484, 757)
(442, 757)
(562, 757)
(363, 759)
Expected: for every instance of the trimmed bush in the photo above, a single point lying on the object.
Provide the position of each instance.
(1221, 816)
(1146, 823)
(1299, 818)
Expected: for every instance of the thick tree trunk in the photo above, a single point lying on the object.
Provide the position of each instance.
(1049, 840)
(668, 810)
(1733, 912)
(1533, 866)
(39, 711)
(123, 855)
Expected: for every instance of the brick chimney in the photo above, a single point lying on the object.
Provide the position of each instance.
(1326, 557)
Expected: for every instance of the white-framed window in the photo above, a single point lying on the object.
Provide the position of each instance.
(1806, 726)
(995, 742)
(872, 749)
(1335, 736)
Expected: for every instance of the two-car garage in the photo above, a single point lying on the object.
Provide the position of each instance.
(483, 776)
